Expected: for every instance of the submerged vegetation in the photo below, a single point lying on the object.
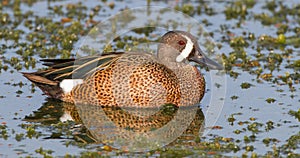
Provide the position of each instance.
(270, 57)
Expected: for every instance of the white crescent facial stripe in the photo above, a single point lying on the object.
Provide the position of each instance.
(68, 84)
(186, 51)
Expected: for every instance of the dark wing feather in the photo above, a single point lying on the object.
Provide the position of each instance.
(52, 62)
(60, 69)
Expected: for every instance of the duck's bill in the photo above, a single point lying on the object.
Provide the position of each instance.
(212, 65)
(201, 59)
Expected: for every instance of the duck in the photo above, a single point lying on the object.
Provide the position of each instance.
(130, 79)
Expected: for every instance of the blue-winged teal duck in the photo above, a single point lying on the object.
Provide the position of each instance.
(131, 79)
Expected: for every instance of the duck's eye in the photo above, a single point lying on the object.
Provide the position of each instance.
(181, 42)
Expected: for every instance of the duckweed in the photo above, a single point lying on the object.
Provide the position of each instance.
(282, 29)
(270, 100)
(186, 8)
(281, 39)
(249, 148)
(237, 131)
(19, 92)
(31, 133)
(238, 42)
(4, 134)
(231, 119)
(234, 97)
(238, 9)
(267, 19)
(254, 127)
(44, 153)
(269, 125)
(296, 64)
(268, 140)
(296, 114)
(19, 137)
(292, 142)
(266, 76)
(246, 85)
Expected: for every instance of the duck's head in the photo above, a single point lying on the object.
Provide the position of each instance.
(177, 47)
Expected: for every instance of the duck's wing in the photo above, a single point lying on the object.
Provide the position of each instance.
(59, 69)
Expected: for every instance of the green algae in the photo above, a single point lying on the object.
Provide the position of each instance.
(246, 85)
(270, 100)
(43, 152)
(4, 134)
(186, 8)
(238, 9)
(234, 97)
(238, 41)
(296, 114)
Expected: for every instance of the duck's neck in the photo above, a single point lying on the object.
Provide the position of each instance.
(166, 57)
(174, 65)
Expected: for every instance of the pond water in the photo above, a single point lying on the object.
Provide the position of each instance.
(252, 108)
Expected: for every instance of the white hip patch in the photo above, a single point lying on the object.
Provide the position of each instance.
(68, 84)
(66, 117)
(186, 51)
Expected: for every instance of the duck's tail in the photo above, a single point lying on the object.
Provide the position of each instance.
(49, 87)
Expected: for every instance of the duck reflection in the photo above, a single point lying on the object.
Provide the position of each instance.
(136, 129)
